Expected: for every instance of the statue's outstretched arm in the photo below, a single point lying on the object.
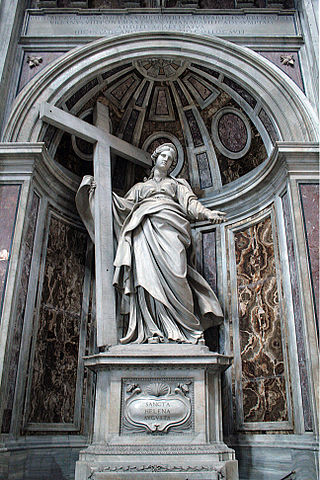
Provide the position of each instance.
(194, 208)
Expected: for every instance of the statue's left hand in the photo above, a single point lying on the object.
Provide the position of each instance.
(215, 216)
(93, 186)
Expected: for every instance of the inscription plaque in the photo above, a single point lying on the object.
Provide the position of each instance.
(156, 406)
(110, 24)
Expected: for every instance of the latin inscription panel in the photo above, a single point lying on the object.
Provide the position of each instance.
(157, 406)
(111, 24)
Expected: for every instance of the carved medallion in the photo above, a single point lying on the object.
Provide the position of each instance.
(156, 407)
(161, 68)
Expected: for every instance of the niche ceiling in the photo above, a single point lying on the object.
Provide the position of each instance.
(218, 127)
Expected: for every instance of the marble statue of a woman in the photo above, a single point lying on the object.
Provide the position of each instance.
(160, 290)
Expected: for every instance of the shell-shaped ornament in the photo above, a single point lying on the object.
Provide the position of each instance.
(157, 389)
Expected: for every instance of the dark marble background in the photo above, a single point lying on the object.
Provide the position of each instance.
(56, 349)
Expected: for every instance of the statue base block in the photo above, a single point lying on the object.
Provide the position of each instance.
(157, 415)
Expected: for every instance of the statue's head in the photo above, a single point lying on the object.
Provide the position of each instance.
(165, 146)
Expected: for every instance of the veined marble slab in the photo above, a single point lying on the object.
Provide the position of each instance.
(110, 24)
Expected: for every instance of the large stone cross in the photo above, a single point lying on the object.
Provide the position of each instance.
(104, 145)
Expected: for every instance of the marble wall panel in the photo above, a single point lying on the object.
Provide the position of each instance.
(161, 102)
(129, 130)
(209, 271)
(309, 197)
(233, 136)
(206, 69)
(183, 98)
(9, 201)
(19, 317)
(209, 267)
(194, 128)
(241, 91)
(262, 360)
(142, 95)
(204, 170)
(203, 91)
(120, 90)
(288, 62)
(232, 132)
(81, 92)
(56, 349)
(115, 70)
(266, 120)
(298, 319)
(31, 67)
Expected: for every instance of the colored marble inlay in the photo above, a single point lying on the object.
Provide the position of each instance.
(241, 91)
(203, 91)
(129, 130)
(209, 268)
(142, 95)
(209, 271)
(19, 318)
(263, 377)
(54, 375)
(183, 98)
(194, 128)
(232, 132)
(309, 195)
(204, 170)
(268, 125)
(211, 72)
(298, 319)
(120, 91)
(161, 104)
(9, 201)
(81, 92)
(115, 70)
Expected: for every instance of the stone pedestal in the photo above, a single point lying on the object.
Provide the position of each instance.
(157, 415)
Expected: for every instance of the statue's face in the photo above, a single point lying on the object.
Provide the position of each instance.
(164, 160)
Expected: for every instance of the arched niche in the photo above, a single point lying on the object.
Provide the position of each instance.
(253, 203)
(285, 104)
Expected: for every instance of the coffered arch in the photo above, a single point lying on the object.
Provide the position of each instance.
(204, 90)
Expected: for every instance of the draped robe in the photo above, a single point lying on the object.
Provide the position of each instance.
(159, 287)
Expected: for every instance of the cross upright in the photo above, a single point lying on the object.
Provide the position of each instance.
(104, 144)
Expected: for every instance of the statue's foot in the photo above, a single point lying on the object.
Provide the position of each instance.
(155, 339)
(201, 340)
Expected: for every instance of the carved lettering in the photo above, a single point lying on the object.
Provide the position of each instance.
(111, 24)
(157, 406)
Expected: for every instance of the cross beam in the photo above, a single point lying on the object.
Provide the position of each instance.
(92, 134)
(104, 145)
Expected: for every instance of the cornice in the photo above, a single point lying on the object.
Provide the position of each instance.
(34, 160)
